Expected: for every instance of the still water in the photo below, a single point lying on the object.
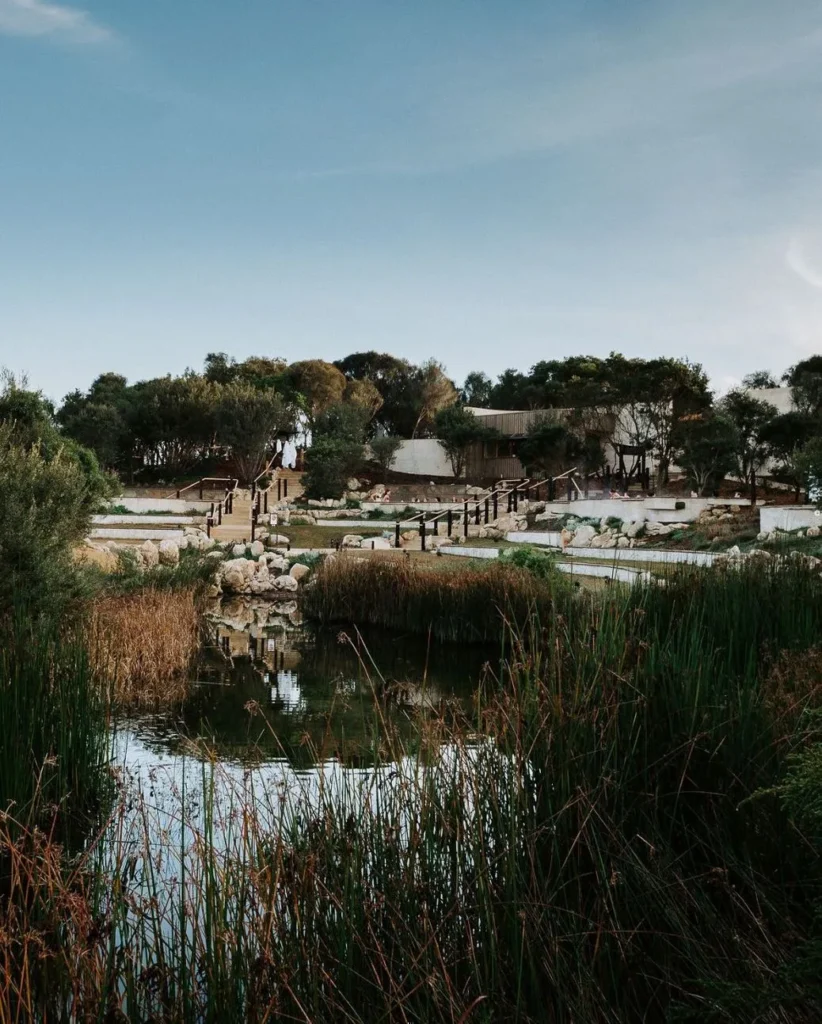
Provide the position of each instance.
(269, 687)
(279, 706)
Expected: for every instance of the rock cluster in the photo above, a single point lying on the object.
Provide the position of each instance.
(267, 575)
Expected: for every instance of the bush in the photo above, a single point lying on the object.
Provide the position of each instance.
(46, 503)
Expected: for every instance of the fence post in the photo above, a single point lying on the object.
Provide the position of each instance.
(486, 511)
(265, 502)
(422, 534)
(496, 505)
(477, 514)
(570, 490)
(285, 488)
(586, 486)
(253, 489)
(516, 497)
(465, 520)
(178, 494)
(436, 523)
(253, 523)
(396, 535)
(201, 489)
(279, 489)
(220, 514)
(211, 511)
(208, 526)
(450, 521)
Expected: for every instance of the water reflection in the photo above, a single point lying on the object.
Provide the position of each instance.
(270, 688)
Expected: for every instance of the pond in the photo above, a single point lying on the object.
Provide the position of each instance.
(269, 687)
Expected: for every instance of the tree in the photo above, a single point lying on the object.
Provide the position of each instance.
(365, 394)
(172, 422)
(384, 450)
(248, 421)
(458, 431)
(759, 380)
(433, 391)
(220, 368)
(476, 391)
(805, 381)
(706, 447)
(549, 448)
(315, 385)
(394, 379)
(99, 420)
(785, 436)
(336, 452)
(750, 416)
(809, 465)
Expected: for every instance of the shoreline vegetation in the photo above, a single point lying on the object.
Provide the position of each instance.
(627, 827)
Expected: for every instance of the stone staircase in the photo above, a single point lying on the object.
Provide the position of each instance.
(237, 526)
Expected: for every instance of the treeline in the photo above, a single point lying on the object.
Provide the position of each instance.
(232, 412)
(171, 426)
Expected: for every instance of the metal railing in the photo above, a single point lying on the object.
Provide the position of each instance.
(483, 508)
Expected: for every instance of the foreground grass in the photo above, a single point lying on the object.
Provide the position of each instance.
(623, 830)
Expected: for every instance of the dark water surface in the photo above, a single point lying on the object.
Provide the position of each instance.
(271, 688)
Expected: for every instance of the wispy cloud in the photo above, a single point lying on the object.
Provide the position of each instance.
(797, 261)
(37, 18)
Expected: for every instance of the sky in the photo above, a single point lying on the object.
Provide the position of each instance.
(490, 183)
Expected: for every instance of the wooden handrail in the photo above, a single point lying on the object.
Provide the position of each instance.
(205, 480)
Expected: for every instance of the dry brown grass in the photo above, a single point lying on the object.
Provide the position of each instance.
(143, 644)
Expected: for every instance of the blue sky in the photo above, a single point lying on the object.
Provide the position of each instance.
(487, 182)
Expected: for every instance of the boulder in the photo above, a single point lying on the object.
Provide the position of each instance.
(734, 552)
(657, 529)
(623, 542)
(351, 540)
(583, 536)
(285, 582)
(257, 548)
(261, 582)
(566, 537)
(238, 551)
(632, 528)
(442, 542)
(353, 484)
(149, 554)
(276, 563)
(168, 552)
(236, 575)
(378, 544)
(299, 571)
(813, 531)
(277, 540)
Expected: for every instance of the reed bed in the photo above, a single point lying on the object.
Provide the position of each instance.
(53, 726)
(144, 644)
(627, 828)
(452, 605)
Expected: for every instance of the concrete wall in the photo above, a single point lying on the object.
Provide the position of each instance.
(147, 521)
(422, 457)
(788, 517)
(162, 504)
(655, 510)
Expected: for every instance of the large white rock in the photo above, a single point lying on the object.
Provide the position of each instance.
(285, 583)
(351, 540)
(583, 536)
(277, 540)
(238, 551)
(256, 548)
(632, 528)
(169, 552)
(299, 571)
(237, 574)
(813, 531)
(149, 554)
